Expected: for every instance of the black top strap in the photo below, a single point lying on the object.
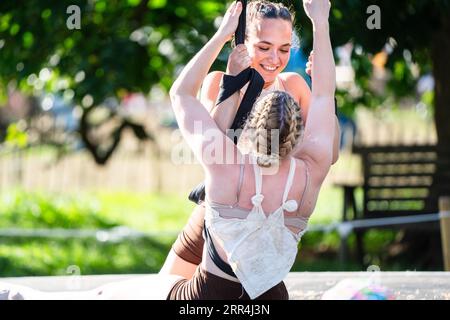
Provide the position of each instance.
(231, 84)
(239, 36)
(214, 255)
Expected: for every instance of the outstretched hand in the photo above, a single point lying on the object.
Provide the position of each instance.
(230, 21)
(317, 10)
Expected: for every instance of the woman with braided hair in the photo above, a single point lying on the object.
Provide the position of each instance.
(256, 206)
(268, 40)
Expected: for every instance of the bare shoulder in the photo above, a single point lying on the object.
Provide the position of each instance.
(292, 79)
(295, 85)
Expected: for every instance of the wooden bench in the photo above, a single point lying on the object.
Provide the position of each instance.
(399, 181)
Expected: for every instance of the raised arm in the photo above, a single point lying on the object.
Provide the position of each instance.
(193, 119)
(317, 146)
(225, 112)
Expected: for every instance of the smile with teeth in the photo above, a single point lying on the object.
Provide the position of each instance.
(268, 68)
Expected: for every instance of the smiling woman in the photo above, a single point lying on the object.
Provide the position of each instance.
(247, 256)
(269, 36)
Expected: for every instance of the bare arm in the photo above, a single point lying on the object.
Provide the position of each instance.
(317, 146)
(193, 119)
(337, 131)
(224, 113)
(336, 141)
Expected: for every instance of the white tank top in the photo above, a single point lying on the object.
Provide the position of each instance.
(260, 249)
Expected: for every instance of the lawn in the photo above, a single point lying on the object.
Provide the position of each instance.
(161, 216)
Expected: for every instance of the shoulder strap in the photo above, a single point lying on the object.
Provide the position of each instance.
(258, 177)
(241, 180)
(290, 179)
(306, 187)
(281, 85)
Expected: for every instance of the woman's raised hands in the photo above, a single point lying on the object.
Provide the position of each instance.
(317, 10)
(230, 21)
(238, 60)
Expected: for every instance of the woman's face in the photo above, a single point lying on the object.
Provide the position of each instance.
(268, 44)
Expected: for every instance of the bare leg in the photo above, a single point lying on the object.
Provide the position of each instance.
(174, 265)
(186, 253)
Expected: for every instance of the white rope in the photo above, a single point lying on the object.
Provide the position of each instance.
(346, 227)
(116, 234)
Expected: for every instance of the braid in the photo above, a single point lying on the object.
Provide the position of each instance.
(275, 116)
(294, 123)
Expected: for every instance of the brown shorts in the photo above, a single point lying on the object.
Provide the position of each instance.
(189, 244)
(207, 286)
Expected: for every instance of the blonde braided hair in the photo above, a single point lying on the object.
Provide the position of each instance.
(275, 115)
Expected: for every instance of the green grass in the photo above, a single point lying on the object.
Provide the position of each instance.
(148, 213)
(329, 206)
(33, 257)
(160, 215)
(144, 212)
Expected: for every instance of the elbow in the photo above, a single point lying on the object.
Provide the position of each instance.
(174, 92)
(177, 90)
(175, 97)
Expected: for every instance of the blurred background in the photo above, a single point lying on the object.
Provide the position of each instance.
(88, 180)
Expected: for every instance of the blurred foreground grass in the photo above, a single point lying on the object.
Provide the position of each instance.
(162, 216)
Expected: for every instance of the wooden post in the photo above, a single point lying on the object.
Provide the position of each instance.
(444, 213)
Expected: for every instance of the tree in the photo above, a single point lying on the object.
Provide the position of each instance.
(120, 47)
(420, 29)
(133, 45)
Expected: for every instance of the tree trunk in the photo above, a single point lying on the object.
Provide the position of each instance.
(441, 72)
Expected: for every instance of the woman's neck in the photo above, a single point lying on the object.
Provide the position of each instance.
(275, 168)
(268, 84)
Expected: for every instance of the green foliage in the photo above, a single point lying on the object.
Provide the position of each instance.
(15, 137)
(121, 46)
(409, 25)
(135, 44)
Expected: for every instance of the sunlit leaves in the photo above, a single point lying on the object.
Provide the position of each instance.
(156, 4)
(46, 13)
(15, 28)
(133, 3)
(28, 40)
(16, 136)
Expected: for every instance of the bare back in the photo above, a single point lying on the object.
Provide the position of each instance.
(222, 186)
